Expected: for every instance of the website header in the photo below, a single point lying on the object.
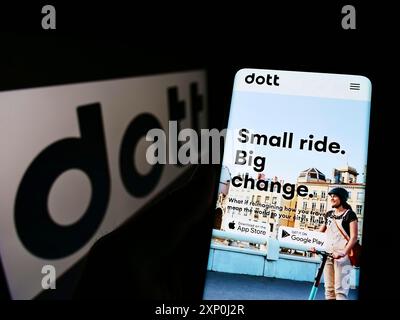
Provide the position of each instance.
(336, 86)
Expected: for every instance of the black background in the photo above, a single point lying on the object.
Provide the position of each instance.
(111, 40)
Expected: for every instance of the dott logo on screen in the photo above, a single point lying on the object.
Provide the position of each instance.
(36, 230)
(269, 79)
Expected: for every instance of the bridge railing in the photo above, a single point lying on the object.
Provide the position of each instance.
(269, 261)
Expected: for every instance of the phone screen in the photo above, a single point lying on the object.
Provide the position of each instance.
(291, 194)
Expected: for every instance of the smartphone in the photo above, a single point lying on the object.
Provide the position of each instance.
(291, 194)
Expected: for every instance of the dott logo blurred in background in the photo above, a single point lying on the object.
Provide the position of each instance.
(74, 165)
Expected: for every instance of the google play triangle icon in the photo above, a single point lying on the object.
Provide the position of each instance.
(285, 234)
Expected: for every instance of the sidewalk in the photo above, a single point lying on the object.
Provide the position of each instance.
(231, 286)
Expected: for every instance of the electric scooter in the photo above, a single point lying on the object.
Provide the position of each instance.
(317, 279)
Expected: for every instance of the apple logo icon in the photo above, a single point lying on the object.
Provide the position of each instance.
(231, 225)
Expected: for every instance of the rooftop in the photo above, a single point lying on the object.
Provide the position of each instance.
(312, 175)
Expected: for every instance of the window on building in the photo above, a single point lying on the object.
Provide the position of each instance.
(323, 195)
(313, 206)
(322, 207)
(258, 199)
(359, 209)
(304, 205)
(252, 198)
(349, 194)
(273, 200)
(315, 194)
(266, 199)
(360, 196)
(271, 227)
